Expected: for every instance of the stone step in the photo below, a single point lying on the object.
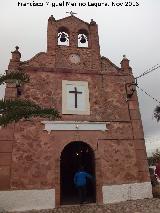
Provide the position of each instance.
(136, 206)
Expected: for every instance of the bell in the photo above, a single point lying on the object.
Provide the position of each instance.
(63, 37)
(83, 39)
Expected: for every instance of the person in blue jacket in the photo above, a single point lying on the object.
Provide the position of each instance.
(80, 181)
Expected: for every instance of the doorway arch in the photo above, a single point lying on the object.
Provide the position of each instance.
(73, 156)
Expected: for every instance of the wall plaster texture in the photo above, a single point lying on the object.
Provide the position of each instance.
(134, 191)
(22, 200)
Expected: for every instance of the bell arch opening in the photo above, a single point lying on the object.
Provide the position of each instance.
(74, 156)
(63, 36)
(83, 38)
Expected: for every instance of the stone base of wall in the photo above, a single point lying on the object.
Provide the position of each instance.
(134, 191)
(21, 200)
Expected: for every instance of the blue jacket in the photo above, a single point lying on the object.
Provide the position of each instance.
(81, 177)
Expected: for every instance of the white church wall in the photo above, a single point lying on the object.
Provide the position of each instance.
(124, 192)
(22, 200)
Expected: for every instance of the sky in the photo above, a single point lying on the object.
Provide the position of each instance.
(130, 30)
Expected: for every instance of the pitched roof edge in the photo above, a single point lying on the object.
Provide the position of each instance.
(109, 61)
(68, 17)
(31, 59)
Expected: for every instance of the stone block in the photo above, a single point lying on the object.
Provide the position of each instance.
(5, 146)
(135, 114)
(133, 105)
(6, 133)
(143, 166)
(141, 154)
(137, 129)
(24, 200)
(123, 192)
(5, 159)
(139, 144)
(4, 177)
(143, 176)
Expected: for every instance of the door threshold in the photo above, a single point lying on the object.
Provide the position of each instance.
(77, 204)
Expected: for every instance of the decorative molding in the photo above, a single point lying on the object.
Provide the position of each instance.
(23, 200)
(133, 191)
(74, 125)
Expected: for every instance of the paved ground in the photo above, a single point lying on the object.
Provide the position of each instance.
(137, 206)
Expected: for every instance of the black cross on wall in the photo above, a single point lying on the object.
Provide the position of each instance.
(76, 93)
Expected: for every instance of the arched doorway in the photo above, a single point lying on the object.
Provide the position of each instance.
(74, 155)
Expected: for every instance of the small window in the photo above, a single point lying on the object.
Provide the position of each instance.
(82, 38)
(63, 36)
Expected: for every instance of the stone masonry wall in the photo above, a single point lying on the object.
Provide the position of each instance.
(107, 94)
(35, 151)
(30, 157)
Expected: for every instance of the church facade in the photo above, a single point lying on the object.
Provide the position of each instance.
(100, 126)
